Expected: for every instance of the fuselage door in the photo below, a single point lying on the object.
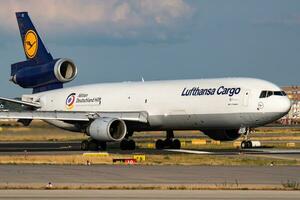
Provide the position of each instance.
(246, 97)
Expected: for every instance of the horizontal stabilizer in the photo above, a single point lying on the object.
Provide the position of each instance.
(33, 105)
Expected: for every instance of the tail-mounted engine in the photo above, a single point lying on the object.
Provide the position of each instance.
(28, 74)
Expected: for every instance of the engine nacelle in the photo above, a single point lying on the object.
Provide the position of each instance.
(28, 75)
(223, 135)
(107, 129)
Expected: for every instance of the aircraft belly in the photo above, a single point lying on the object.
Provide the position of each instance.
(195, 121)
(210, 121)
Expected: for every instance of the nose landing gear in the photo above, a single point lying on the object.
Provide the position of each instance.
(169, 142)
(247, 143)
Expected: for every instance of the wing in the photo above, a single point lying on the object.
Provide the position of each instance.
(33, 113)
(74, 116)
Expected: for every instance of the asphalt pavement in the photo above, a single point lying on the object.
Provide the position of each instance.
(147, 194)
(146, 174)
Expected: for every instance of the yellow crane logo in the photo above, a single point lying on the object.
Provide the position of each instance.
(31, 44)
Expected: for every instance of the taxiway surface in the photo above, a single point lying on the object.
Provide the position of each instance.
(67, 148)
(141, 174)
(146, 194)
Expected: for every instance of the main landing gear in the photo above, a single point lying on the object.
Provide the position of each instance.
(169, 142)
(126, 143)
(92, 145)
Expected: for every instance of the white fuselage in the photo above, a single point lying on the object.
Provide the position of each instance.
(177, 105)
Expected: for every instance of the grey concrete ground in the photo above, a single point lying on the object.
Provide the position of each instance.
(146, 194)
(139, 174)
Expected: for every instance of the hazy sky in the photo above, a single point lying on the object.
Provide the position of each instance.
(124, 40)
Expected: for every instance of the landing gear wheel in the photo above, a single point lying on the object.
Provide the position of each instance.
(176, 144)
(123, 144)
(127, 144)
(103, 146)
(93, 145)
(246, 144)
(249, 144)
(168, 143)
(159, 144)
(131, 145)
(243, 144)
(84, 145)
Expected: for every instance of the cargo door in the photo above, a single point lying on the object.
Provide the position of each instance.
(246, 98)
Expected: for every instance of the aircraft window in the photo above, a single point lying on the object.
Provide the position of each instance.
(269, 93)
(278, 93)
(263, 94)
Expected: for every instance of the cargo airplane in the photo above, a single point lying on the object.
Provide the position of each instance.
(224, 108)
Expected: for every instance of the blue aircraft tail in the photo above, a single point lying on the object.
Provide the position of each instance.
(40, 71)
(34, 48)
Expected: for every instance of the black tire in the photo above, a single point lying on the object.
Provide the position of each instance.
(243, 144)
(131, 145)
(124, 144)
(93, 146)
(249, 144)
(84, 146)
(176, 144)
(168, 143)
(159, 144)
(103, 146)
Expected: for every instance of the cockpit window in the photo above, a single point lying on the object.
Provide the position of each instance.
(278, 93)
(269, 93)
(265, 93)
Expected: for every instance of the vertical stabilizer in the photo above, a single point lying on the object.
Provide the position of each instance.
(39, 71)
(34, 48)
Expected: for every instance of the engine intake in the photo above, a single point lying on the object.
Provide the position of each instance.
(107, 129)
(65, 70)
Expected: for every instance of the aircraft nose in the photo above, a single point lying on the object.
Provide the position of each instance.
(286, 105)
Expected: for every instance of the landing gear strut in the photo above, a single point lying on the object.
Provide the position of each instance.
(169, 142)
(92, 145)
(126, 143)
(246, 143)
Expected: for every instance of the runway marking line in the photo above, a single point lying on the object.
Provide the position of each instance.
(100, 154)
(277, 151)
(188, 151)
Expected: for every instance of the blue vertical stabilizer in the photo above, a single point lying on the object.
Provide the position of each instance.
(33, 46)
(39, 71)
